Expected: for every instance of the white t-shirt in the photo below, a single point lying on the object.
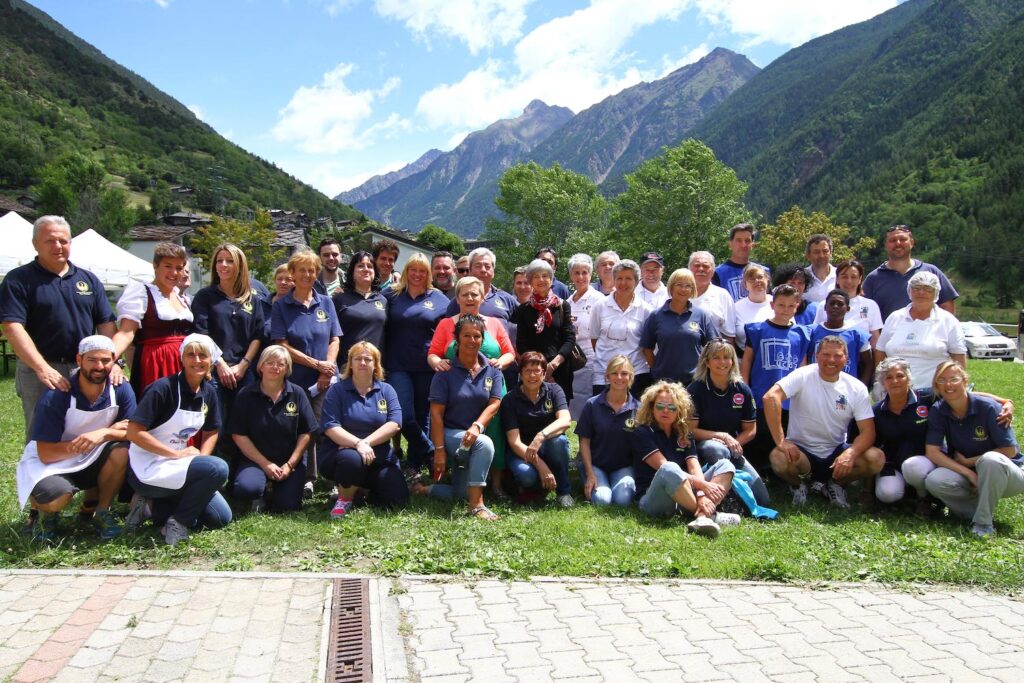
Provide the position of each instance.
(716, 302)
(819, 289)
(655, 299)
(923, 343)
(133, 303)
(618, 332)
(820, 411)
(581, 317)
(863, 313)
(746, 311)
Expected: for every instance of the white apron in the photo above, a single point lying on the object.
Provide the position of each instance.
(168, 473)
(31, 470)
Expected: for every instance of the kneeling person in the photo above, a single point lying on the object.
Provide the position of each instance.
(78, 442)
(823, 401)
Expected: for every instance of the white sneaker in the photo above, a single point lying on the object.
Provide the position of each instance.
(836, 495)
(704, 526)
(139, 512)
(307, 490)
(799, 495)
(727, 519)
(819, 488)
(983, 530)
(566, 501)
(174, 532)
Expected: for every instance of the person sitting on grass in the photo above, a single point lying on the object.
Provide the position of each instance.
(605, 428)
(78, 443)
(977, 460)
(535, 416)
(858, 343)
(667, 474)
(824, 400)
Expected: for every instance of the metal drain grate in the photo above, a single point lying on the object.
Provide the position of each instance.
(348, 654)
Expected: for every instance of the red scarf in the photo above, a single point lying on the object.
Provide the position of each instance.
(543, 308)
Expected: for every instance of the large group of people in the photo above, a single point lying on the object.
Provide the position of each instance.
(686, 393)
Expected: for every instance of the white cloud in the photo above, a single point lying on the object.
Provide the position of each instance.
(477, 23)
(163, 4)
(670, 64)
(788, 22)
(456, 139)
(335, 176)
(198, 111)
(329, 117)
(336, 7)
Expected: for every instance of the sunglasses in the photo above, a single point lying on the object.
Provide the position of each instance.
(462, 271)
(899, 228)
(672, 407)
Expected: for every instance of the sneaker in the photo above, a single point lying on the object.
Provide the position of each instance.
(341, 508)
(411, 475)
(819, 488)
(836, 495)
(983, 530)
(106, 525)
(29, 525)
(332, 496)
(704, 526)
(174, 532)
(566, 501)
(727, 519)
(138, 513)
(799, 494)
(86, 511)
(307, 490)
(258, 505)
(44, 529)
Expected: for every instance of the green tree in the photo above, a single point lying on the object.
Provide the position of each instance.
(116, 216)
(255, 239)
(681, 201)
(72, 186)
(786, 240)
(441, 240)
(541, 207)
(161, 201)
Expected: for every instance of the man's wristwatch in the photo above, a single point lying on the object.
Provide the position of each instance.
(120, 363)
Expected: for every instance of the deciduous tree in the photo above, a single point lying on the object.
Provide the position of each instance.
(786, 240)
(255, 239)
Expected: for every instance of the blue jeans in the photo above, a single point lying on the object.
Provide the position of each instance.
(710, 451)
(251, 481)
(614, 486)
(555, 454)
(413, 389)
(197, 502)
(474, 474)
(658, 502)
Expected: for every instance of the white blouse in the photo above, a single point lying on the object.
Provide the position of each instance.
(923, 343)
(747, 311)
(581, 317)
(133, 302)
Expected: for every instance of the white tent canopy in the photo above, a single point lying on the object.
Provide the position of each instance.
(16, 238)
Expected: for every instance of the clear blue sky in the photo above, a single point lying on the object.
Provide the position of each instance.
(335, 91)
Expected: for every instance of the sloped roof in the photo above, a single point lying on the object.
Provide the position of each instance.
(158, 233)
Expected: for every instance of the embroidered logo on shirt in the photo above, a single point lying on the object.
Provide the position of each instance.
(694, 326)
(247, 307)
(205, 408)
(429, 305)
(379, 305)
(382, 406)
(979, 433)
(841, 402)
(83, 287)
(549, 405)
(291, 409)
(737, 399)
(922, 411)
(500, 304)
(488, 383)
(630, 424)
(321, 315)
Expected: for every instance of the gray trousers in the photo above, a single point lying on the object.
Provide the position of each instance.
(998, 477)
(30, 389)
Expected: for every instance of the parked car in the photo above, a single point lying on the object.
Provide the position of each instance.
(984, 341)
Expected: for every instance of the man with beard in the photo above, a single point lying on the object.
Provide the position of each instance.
(443, 270)
(330, 280)
(78, 443)
(887, 284)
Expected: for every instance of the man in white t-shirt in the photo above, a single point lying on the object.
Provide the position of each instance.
(715, 300)
(823, 400)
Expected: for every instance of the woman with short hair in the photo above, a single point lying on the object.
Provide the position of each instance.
(678, 331)
(362, 309)
(615, 327)
(755, 307)
(545, 325)
(582, 302)
(864, 312)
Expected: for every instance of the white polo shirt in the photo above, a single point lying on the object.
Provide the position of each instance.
(653, 299)
(923, 343)
(716, 302)
(617, 332)
(819, 289)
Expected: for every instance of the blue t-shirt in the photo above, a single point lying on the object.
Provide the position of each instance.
(232, 325)
(307, 329)
(360, 415)
(53, 405)
(729, 276)
(410, 328)
(519, 412)
(160, 401)
(977, 433)
(777, 352)
(464, 397)
(679, 340)
(57, 311)
(273, 426)
(647, 440)
(722, 411)
(362, 318)
(888, 287)
(610, 432)
(496, 304)
(806, 316)
(901, 436)
(854, 337)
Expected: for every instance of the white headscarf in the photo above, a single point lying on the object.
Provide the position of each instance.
(95, 342)
(204, 341)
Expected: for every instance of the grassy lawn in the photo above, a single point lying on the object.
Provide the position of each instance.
(813, 544)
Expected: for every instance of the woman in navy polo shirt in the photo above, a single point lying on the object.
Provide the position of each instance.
(305, 323)
(177, 484)
(361, 414)
(463, 400)
(678, 330)
(362, 309)
(415, 309)
(604, 429)
(725, 414)
(272, 426)
(535, 416)
(661, 451)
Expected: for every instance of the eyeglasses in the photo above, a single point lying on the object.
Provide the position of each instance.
(899, 228)
(462, 271)
(671, 407)
(952, 381)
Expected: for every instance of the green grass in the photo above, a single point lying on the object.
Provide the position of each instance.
(813, 544)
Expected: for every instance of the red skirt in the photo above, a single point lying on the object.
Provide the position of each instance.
(160, 357)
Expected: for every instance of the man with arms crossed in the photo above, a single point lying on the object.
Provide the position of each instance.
(887, 284)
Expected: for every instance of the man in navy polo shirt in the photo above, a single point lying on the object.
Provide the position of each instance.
(497, 303)
(887, 284)
(47, 307)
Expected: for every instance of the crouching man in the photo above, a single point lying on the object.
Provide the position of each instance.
(78, 443)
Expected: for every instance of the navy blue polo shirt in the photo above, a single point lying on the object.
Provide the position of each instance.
(806, 316)
(854, 337)
(160, 401)
(344, 407)
(232, 325)
(261, 289)
(463, 396)
(722, 412)
(679, 340)
(650, 439)
(901, 436)
(560, 289)
(53, 405)
(519, 412)
(778, 351)
(273, 426)
(610, 432)
(362, 318)
(307, 329)
(729, 276)
(411, 324)
(497, 303)
(888, 287)
(57, 311)
(974, 435)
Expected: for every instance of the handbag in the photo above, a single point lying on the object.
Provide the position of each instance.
(577, 359)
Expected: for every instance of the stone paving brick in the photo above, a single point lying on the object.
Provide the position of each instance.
(441, 663)
(555, 640)
(478, 647)
(523, 655)
(696, 668)
(599, 649)
(513, 633)
(648, 658)
(570, 607)
(531, 674)
(878, 673)
(569, 665)
(541, 620)
(626, 635)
